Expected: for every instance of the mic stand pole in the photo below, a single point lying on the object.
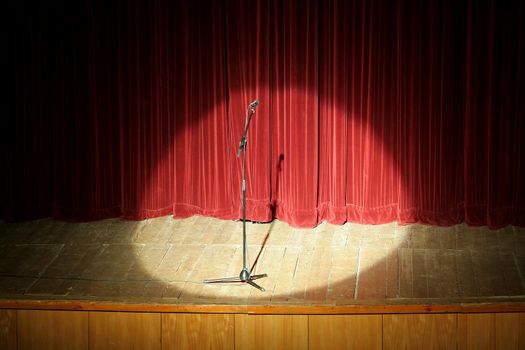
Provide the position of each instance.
(245, 276)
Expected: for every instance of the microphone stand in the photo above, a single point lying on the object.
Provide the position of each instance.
(245, 276)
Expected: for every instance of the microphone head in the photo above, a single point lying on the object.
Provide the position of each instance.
(254, 103)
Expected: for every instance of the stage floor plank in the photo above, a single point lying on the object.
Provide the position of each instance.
(160, 264)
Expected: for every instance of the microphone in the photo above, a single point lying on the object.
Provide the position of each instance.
(253, 104)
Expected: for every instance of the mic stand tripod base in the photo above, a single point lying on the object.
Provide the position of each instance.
(244, 277)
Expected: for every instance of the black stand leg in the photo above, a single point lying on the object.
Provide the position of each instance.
(245, 275)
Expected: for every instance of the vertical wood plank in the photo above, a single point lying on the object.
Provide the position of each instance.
(392, 274)
(521, 331)
(506, 330)
(42, 329)
(488, 273)
(419, 331)
(124, 330)
(406, 281)
(271, 332)
(491, 331)
(372, 275)
(197, 331)
(8, 339)
(317, 286)
(302, 272)
(345, 332)
(465, 274)
(343, 274)
(475, 331)
(284, 284)
(441, 269)
(420, 273)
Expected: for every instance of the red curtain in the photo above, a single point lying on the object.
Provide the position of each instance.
(370, 111)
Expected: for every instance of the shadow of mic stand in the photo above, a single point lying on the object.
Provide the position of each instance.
(245, 276)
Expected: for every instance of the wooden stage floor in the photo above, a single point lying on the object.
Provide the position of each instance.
(160, 264)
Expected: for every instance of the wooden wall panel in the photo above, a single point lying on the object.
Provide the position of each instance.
(40, 329)
(197, 331)
(274, 332)
(345, 332)
(420, 331)
(507, 331)
(521, 331)
(8, 339)
(124, 330)
(491, 331)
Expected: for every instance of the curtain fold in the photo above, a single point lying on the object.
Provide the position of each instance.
(248, 61)
(294, 110)
(370, 111)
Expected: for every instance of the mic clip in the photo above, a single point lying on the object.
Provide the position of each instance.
(242, 145)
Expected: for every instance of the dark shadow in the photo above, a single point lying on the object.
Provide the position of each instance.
(263, 244)
(275, 187)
